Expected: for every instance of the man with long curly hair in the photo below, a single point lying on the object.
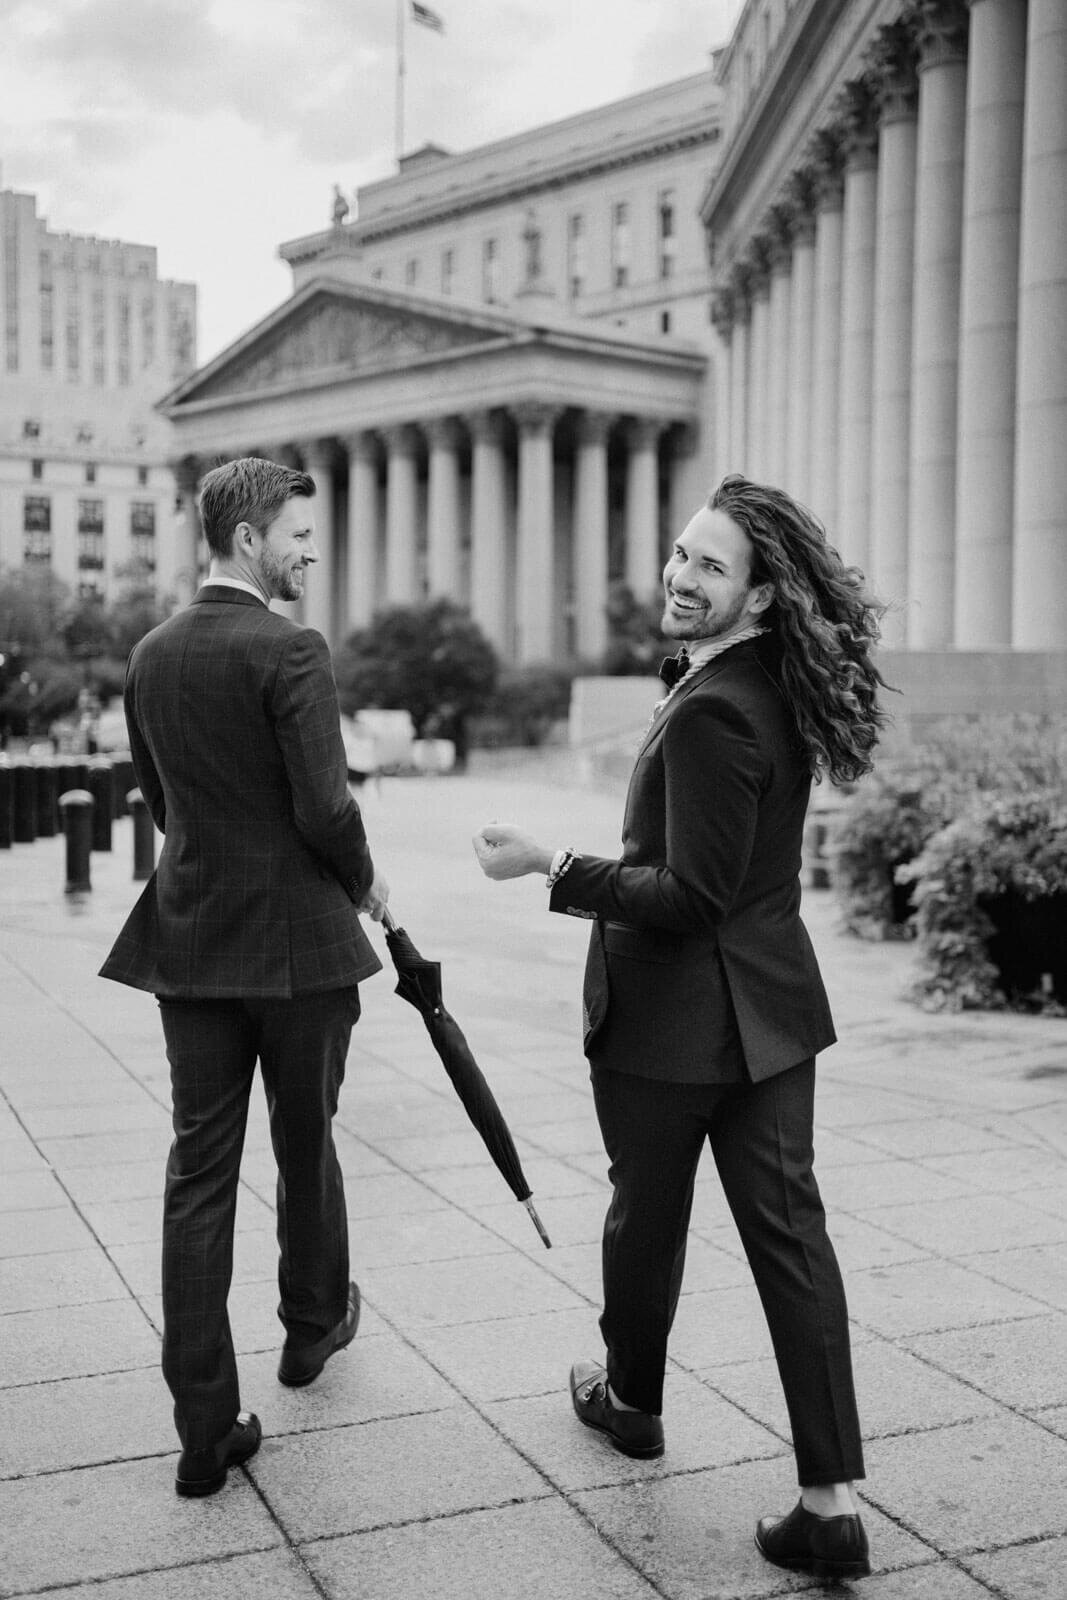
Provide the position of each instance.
(704, 1006)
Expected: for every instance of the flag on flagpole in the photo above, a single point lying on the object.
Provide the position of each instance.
(427, 16)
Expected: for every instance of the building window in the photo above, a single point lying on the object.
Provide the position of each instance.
(47, 327)
(73, 334)
(378, 273)
(142, 476)
(575, 255)
(668, 239)
(143, 533)
(181, 340)
(664, 322)
(448, 271)
(90, 536)
(37, 528)
(620, 244)
(31, 428)
(122, 306)
(99, 338)
(11, 302)
(37, 470)
(148, 331)
(490, 270)
(90, 472)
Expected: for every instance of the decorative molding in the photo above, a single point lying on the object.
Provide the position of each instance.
(827, 164)
(798, 196)
(722, 313)
(778, 231)
(941, 32)
(892, 64)
(857, 112)
(536, 416)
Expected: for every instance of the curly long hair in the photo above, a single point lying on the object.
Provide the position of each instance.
(826, 626)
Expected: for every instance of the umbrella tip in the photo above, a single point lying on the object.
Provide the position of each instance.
(536, 1220)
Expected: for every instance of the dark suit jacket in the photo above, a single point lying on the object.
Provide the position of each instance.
(699, 921)
(236, 743)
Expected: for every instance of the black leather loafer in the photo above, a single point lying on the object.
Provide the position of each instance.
(827, 1547)
(203, 1472)
(635, 1433)
(299, 1367)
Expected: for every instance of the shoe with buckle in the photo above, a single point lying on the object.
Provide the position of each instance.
(827, 1547)
(298, 1367)
(635, 1433)
(202, 1472)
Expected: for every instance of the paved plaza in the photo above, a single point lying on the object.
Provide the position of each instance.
(438, 1458)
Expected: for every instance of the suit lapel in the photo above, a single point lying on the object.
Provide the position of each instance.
(698, 679)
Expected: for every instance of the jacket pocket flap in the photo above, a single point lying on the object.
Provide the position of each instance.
(645, 944)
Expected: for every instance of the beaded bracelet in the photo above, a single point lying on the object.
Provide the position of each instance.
(562, 861)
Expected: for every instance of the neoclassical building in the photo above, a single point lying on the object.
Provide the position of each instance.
(498, 374)
(889, 233)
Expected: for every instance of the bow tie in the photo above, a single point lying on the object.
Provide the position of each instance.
(674, 668)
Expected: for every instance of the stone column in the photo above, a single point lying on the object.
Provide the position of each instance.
(722, 316)
(942, 37)
(443, 510)
(1039, 612)
(860, 135)
(643, 560)
(797, 475)
(741, 281)
(896, 86)
(780, 249)
(401, 516)
(591, 535)
(489, 526)
(362, 574)
(534, 576)
(826, 163)
(320, 585)
(759, 344)
(989, 294)
(187, 554)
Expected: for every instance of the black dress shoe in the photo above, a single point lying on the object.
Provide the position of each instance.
(828, 1547)
(301, 1366)
(202, 1472)
(635, 1433)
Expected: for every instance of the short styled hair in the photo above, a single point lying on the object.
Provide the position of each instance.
(246, 490)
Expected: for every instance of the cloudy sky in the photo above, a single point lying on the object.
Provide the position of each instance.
(215, 129)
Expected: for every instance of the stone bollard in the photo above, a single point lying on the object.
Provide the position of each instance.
(7, 804)
(122, 771)
(101, 787)
(44, 773)
(144, 837)
(24, 782)
(76, 807)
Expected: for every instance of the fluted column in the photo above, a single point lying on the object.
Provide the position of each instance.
(187, 556)
(897, 91)
(320, 586)
(740, 367)
(826, 333)
(443, 509)
(401, 516)
(1039, 611)
(643, 562)
(801, 329)
(780, 250)
(489, 526)
(759, 344)
(591, 535)
(362, 574)
(860, 135)
(989, 295)
(936, 313)
(535, 584)
(722, 316)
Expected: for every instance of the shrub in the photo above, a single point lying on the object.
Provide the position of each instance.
(973, 883)
(527, 701)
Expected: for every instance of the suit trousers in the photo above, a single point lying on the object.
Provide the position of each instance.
(761, 1139)
(213, 1046)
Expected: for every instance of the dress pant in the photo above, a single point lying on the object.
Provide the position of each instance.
(761, 1138)
(213, 1046)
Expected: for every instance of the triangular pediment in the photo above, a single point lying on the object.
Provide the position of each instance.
(334, 333)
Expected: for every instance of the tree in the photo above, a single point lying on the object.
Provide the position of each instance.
(431, 660)
(635, 641)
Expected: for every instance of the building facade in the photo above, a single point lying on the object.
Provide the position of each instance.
(498, 374)
(888, 226)
(91, 339)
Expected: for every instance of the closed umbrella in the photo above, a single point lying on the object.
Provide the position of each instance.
(419, 982)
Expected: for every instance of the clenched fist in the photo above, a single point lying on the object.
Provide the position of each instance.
(505, 851)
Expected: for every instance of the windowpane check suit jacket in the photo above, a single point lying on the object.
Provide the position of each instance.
(701, 913)
(236, 744)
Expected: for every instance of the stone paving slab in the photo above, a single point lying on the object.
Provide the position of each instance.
(439, 1455)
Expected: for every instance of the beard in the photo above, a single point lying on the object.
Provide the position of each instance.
(283, 583)
(704, 624)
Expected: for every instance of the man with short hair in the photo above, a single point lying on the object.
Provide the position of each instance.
(248, 934)
(704, 1007)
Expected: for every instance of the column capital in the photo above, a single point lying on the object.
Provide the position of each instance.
(536, 416)
(778, 231)
(594, 426)
(857, 113)
(643, 433)
(186, 470)
(401, 439)
(941, 32)
(741, 288)
(361, 445)
(891, 64)
(827, 163)
(319, 454)
(443, 433)
(486, 427)
(798, 197)
(758, 260)
(722, 312)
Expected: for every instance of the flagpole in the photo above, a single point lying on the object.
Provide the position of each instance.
(400, 4)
